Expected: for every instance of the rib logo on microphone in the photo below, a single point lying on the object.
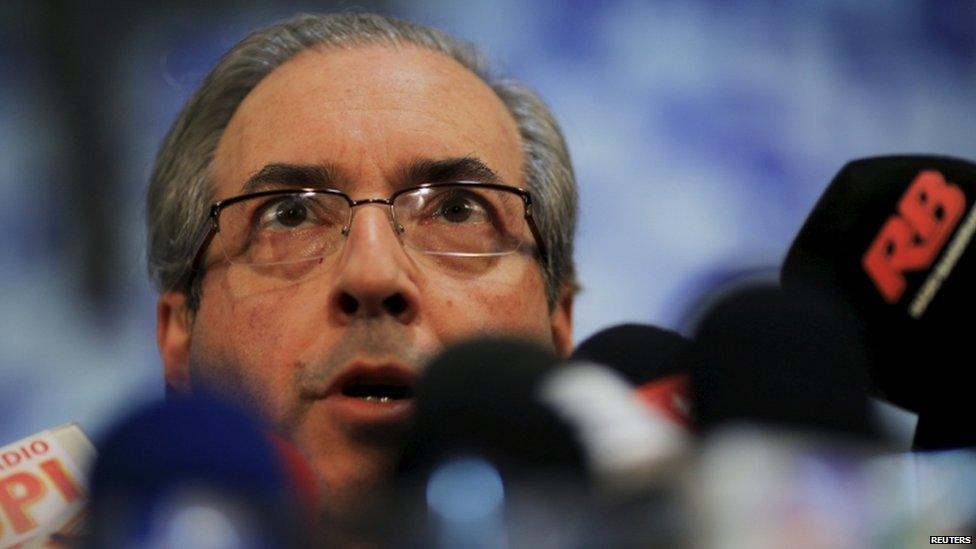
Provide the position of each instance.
(911, 239)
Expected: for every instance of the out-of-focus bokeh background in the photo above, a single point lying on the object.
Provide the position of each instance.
(702, 134)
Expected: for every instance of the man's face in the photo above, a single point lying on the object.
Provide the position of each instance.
(373, 312)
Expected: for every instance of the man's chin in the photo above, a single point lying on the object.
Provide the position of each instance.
(354, 469)
(354, 509)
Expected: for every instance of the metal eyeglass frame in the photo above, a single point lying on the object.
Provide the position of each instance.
(216, 208)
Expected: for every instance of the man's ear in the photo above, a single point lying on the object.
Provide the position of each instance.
(173, 329)
(561, 321)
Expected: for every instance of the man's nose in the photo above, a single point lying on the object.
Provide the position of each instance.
(375, 277)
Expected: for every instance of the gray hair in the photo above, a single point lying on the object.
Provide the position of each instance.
(181, 188)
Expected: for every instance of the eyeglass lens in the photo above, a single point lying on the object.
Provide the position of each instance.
(453, 221)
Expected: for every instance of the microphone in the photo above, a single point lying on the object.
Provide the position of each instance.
(639, 352)
(481, 398)
(890, 237)
(564, 439)
(780, 394)
(791, 361)
(648, 357)
(197, 471)
(43, 495)
(484, 451)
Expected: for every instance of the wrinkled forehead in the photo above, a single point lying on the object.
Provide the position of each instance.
(370, 111)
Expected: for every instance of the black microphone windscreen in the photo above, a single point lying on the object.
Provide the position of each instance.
(891, 237)
(761, 356)
(639, 352)
(481, 398)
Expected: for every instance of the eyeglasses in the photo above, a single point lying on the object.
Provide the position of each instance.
(450, 220)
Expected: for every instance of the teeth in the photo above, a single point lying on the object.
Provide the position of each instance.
(372, 398)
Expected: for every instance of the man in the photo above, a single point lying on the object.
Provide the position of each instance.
(444, 208)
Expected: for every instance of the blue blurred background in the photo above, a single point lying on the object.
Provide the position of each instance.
(702, 133)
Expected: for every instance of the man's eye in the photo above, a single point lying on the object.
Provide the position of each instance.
(285, 213)
(460, 209)
(456, 211)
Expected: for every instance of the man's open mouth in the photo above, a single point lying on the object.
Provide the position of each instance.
(378, 390)
(372, 394)
(377, 384)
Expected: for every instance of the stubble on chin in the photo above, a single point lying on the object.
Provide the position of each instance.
(374, 341)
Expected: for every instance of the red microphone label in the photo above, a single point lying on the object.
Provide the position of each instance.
(912, 238)
(40, 488)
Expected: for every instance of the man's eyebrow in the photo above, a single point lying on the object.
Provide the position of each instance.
(319, 176)
(467, 168)
(279, 175)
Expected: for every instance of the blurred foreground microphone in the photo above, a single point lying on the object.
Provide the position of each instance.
(518, 406)
(482, 445)
(790, 361)
(481, 398)
(197, 472)
(781, 396)
(43, 493)
(891, 238)
(557, 437)
(639, 352)
(650, 358)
